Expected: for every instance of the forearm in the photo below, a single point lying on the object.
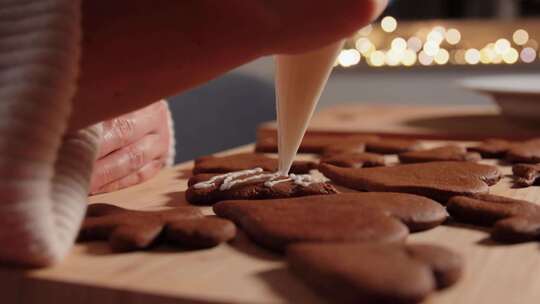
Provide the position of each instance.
(138, 51)
(134, 54)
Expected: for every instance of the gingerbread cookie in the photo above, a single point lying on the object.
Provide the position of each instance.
(354, 160)
(492, 148)
(437, 180)
(392, 146)
(512, 220)
(526, 174)
(245, 161)
(129, 230)
(346, 148)
(206, 189)
(525, 152)
(446, 153)
(359, 217)
(316, 144)
(375, 273)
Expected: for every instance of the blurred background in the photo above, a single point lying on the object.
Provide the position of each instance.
(413, 54)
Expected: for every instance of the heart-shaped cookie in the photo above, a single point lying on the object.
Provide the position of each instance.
(363, 217)
(437, 180)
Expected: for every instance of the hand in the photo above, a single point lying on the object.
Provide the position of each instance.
(163, 47)
(133, 148)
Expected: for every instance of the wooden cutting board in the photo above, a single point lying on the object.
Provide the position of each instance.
(240, 272)
(426, 122)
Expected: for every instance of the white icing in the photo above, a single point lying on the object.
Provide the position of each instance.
(271, 183)
(302, 180)
(232, 175)
(232, 179)
(316, 174)
(228, 184)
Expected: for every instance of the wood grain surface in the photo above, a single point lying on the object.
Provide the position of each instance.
(240, 272)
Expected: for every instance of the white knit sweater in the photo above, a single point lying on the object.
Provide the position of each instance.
(44, 172)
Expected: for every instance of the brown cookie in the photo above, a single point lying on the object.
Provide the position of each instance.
(316, 144)
(374, 273)
(492, 148)
(512, 220)
(245, 161)
(129, 230)
(437, 180)
(446, 265)
(525, 152)
(355, 147)
(446, 153)
(354, 160)
(526, 174)
(392, 146)
(360, 217)
(254, 187)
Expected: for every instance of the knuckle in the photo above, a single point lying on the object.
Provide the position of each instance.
(125, 128)
(145, 174)
(135, 158)
(110, 187)
(104, 175)
(128, 181)
(139, 177)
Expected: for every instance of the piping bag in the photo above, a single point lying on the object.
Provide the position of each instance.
(300, 80)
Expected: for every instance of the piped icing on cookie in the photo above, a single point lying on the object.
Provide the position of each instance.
(243, 177)
(226, 177)
(207, 189)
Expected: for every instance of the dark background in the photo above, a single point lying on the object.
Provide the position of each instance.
(220, 115)
(461, 9)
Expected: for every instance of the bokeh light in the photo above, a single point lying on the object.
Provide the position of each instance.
(349, 58)
(487, 54)
(502, 46)
(414, 43)
(393, 58)
(389, 24)
(399, 44)
(436, 37)
(377, 58)
(472, 56)
(497, 60)
(521, 37)
(424, 58)
(528, 55)
(409, 58)
(511, 56)
(364, 46)
(442, 57)
(411, 45)
(453, 36)
(431, 48)
(440, 29)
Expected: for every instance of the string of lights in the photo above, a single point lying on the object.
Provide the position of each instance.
(433, 46)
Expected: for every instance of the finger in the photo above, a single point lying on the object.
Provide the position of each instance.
(145, 173)
(128, 160)
(127, 129)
